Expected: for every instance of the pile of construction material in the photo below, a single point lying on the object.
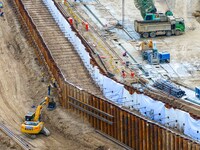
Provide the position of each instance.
(197, 15)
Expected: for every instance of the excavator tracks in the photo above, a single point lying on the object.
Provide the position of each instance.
(60, 47)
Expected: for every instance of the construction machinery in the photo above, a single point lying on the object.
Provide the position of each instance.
(154, 23)
(197, 92)
(169, 88)
(33, 124)
(151, 54)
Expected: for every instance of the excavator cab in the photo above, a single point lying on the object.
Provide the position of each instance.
(152, 17)
(29, 116)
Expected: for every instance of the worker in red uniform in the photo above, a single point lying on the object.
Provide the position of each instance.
(123, 74)
(124, 54)
(132, 74)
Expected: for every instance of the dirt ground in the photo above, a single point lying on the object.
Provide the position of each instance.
(20, 88)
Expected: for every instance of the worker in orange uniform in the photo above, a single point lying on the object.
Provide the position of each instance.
(150, 44)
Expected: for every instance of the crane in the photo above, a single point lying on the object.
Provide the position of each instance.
(33, 124)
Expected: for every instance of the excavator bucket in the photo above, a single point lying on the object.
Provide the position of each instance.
(51, 105)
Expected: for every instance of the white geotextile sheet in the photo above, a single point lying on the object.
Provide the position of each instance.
(116, 92)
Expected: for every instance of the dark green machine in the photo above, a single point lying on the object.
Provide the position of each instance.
(145, 6)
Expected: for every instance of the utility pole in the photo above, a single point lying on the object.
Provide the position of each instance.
(122, 13)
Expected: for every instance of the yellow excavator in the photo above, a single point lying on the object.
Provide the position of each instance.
(33, 124)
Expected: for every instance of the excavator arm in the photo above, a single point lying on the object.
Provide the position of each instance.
(39, 108)
(145, 6)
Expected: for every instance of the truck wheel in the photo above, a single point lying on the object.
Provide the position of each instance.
(168, 33)
(152, 34)
(177, 32)
(145, 35)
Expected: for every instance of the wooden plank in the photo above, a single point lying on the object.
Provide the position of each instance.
(152, 137)
(125, 127)
(108, 108)
(101, 108)
(112, 128)
(118, 123)
(115, 122)
(140, 138)
(129, 130)
(197, 147)
(159, 138)
(137, 144)
(143, 140)
(155, 128)
(189, 145)
(163, 138)
(98, 107)
(81, 113)
(133, 131)
(121, 125)
(180, 143)
(176, 142)
(104, 124)
(194, 146)
(166, 140)
(185, 144)
(172, 141)
(147, 136)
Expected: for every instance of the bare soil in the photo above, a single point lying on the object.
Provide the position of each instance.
(21, 87)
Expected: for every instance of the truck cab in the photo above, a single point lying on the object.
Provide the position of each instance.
(180, 25)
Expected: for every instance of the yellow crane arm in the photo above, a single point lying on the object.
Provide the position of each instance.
(39, 108)
(37, 113)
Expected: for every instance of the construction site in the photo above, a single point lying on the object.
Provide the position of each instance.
(99, 75)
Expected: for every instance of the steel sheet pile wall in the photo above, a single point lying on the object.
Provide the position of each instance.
(133, 130)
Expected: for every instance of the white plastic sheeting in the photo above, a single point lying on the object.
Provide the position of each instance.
(116, 92)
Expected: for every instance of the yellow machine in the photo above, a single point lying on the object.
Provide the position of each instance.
(146, 45)
(33, 124)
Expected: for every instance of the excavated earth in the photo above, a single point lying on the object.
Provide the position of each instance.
(21, 87)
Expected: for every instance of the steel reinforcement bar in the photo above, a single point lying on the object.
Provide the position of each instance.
(123, 125)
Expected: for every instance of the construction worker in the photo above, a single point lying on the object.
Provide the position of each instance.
(49, 90)
(54, 82)
(150, 44)
(42, 77)
(76, 23)
(123, 74)
(125, 54)
(1, 13)
(132, 74)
